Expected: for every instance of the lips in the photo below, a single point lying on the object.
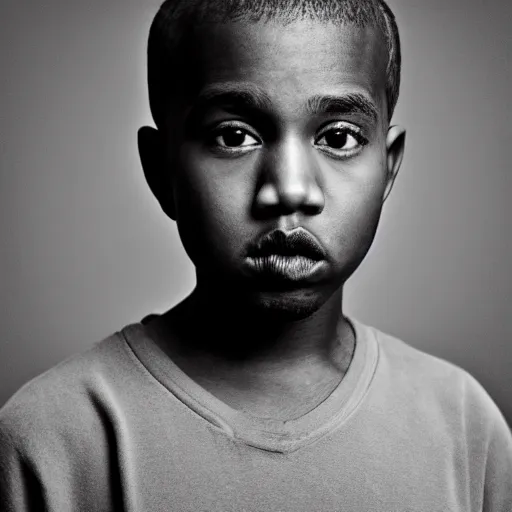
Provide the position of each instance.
(286, 256)
(298, 242)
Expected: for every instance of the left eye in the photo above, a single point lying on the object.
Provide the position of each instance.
(233, 137)
(340, 141)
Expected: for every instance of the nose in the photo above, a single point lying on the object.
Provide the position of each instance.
(289, 181)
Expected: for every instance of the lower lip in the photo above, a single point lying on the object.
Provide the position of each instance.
(288, 268)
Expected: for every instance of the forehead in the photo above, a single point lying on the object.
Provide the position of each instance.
(289, 62)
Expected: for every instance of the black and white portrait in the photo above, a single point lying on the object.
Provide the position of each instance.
(255, 256)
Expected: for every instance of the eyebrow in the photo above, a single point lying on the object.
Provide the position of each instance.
(249, 97)
(242, 96)
(348, 104)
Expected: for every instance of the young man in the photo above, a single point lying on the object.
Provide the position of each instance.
(274, 154)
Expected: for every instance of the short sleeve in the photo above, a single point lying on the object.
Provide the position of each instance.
(498, 472)
(20, 488)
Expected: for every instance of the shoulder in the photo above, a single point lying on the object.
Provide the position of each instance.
(437, 385)
(62, 398)
(438, 406)
(57, 433)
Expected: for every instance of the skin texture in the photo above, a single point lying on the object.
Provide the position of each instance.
(282, 172)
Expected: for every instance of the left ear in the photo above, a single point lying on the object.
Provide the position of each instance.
(158, 175)
(395, 146)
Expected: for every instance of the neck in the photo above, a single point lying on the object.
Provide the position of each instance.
(227, 330)
(257, 362)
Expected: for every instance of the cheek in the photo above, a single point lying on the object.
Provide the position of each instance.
(210, 192)
(355, 204)
(211, 209)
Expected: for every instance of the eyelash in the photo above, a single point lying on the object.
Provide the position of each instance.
(348, 129)
(217, 132)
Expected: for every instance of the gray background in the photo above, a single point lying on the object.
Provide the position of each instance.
(86, 250)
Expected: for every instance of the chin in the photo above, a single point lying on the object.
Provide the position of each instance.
(290, 305)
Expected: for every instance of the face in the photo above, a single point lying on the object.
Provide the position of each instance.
(276, 157)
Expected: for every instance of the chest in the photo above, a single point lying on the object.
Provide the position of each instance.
(337, 473)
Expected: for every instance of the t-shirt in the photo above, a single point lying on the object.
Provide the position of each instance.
(122, 428)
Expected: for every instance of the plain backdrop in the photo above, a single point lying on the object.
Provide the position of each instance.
(85, 248)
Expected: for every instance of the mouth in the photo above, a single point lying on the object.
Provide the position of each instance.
(286, 256)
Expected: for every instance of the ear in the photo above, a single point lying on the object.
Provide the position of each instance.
(395, 146)
(156, 170)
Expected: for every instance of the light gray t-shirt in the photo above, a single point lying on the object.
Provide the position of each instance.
(122, 428)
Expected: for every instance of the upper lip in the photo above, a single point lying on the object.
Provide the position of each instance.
(298, 242)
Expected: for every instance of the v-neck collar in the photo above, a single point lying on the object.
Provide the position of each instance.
(266, 434)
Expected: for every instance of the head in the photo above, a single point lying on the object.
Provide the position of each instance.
(273, 117)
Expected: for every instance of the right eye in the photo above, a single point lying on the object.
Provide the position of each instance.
(233, 138)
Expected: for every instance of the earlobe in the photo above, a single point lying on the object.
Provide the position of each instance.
(395, 147)
(152, 157)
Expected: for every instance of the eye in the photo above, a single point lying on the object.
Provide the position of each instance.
(341, 140)
(234, 138)
(338, 139)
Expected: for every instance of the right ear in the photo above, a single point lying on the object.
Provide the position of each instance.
(156, 171)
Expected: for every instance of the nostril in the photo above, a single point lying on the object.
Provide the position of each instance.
(273, 201)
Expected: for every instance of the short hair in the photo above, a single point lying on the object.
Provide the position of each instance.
(176, 18)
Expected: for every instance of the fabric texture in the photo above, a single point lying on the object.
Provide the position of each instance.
(122, 428)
